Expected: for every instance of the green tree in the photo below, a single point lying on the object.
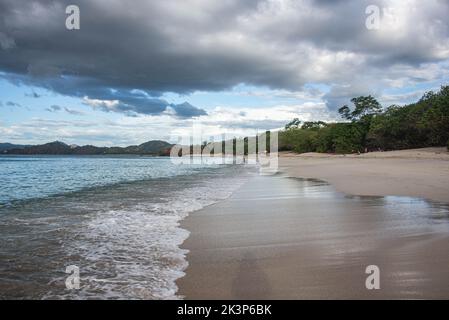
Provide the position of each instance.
(435, 116)
(315, 125)
(294, 124)
(363, 107)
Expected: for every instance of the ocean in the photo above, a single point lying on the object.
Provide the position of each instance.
(116, 219)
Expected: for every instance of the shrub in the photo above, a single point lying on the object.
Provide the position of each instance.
(298, 140)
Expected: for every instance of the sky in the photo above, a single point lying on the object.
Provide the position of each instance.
(142, 70)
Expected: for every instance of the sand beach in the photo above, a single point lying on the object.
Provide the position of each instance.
(310, 231)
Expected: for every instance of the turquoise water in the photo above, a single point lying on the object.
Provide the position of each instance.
(115, 218)
(40, 176)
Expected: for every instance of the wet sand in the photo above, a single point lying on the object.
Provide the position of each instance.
(286, 238)
(422, 173)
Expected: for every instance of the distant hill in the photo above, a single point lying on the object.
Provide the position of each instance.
(48, 148)
(8, 146)
(155, 147)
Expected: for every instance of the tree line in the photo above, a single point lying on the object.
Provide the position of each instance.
(366, 126)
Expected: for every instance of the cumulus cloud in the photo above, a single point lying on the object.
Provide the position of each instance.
(188, 45)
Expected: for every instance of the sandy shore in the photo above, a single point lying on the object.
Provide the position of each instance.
(420, 173)
(285, 238)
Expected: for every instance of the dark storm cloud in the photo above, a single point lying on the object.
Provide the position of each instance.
(186, 110)
(341, 95)
(143, 105)
(132, 48)
(184, 46)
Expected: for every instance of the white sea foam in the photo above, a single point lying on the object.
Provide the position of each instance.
(134, 252)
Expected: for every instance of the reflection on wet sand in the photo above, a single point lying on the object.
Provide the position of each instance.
(285, 238)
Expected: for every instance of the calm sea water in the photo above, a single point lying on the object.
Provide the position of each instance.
(115, 218)
(41, 176)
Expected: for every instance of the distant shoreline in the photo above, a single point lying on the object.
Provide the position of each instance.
(84, 155)
(153, 147)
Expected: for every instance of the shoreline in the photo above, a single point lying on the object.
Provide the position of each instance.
(270, 240)
(417, 173)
